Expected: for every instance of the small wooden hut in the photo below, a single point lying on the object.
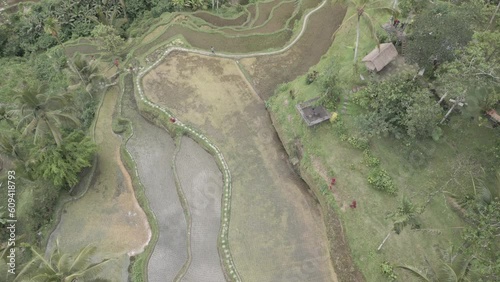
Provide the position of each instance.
(380, 57)
(312, 114)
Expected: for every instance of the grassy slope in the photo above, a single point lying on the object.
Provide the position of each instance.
(417, 170)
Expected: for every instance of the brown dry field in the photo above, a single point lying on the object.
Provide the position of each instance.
(266, 72)
(264, 11)
(276, 231)
(109, 209)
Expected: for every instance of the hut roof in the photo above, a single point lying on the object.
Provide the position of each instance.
(380, 57)
(494, 115)
(312, 114)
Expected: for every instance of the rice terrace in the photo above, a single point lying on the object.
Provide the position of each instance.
(238, 140)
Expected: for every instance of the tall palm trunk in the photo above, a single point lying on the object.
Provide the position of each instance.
(357, 40)
(494, 14)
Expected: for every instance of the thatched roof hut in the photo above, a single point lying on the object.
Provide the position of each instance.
(380, 57)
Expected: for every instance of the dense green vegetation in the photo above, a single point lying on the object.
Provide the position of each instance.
(406, 145)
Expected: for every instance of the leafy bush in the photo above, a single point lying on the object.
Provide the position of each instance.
(311, 77)
(358, 142)
(388, 271)
(379, 179)
(369, 159)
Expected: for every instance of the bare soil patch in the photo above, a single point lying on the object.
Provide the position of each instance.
(266, 72)
(276, 231)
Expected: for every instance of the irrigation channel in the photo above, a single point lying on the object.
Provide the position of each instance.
(227, 204)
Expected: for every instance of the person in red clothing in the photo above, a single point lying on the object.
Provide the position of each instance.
(117, 63)
(353, 204)
(172, 120)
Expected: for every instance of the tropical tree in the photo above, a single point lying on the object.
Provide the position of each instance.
(436, 34)
(62, 267)
(406, 214)
(398, 105)
(178, 4)
(85, 72)
(62, 164)
(108, 38)
(52, 27)
(452, 266)
(478, 64)
(5, 115)
(41, 113)
(363, 9)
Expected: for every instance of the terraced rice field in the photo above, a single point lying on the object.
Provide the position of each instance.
(152, 145)
(276, 232)
(280, 15)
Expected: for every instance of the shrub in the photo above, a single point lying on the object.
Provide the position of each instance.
(358, 142)
(388, 271)
(379, 179)
(369, 159)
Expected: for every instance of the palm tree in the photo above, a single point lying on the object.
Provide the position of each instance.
(62, 267)
(451, 266)
(362, 8)
(41, 113)
(86, 72)
(6, 116)
(52, 27)
(406, 214)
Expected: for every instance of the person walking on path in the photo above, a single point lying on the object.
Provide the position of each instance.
(212, 49)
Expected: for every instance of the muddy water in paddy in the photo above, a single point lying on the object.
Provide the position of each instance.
(201, 182)
(276, 231)
(152, 149)
(108, 215)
